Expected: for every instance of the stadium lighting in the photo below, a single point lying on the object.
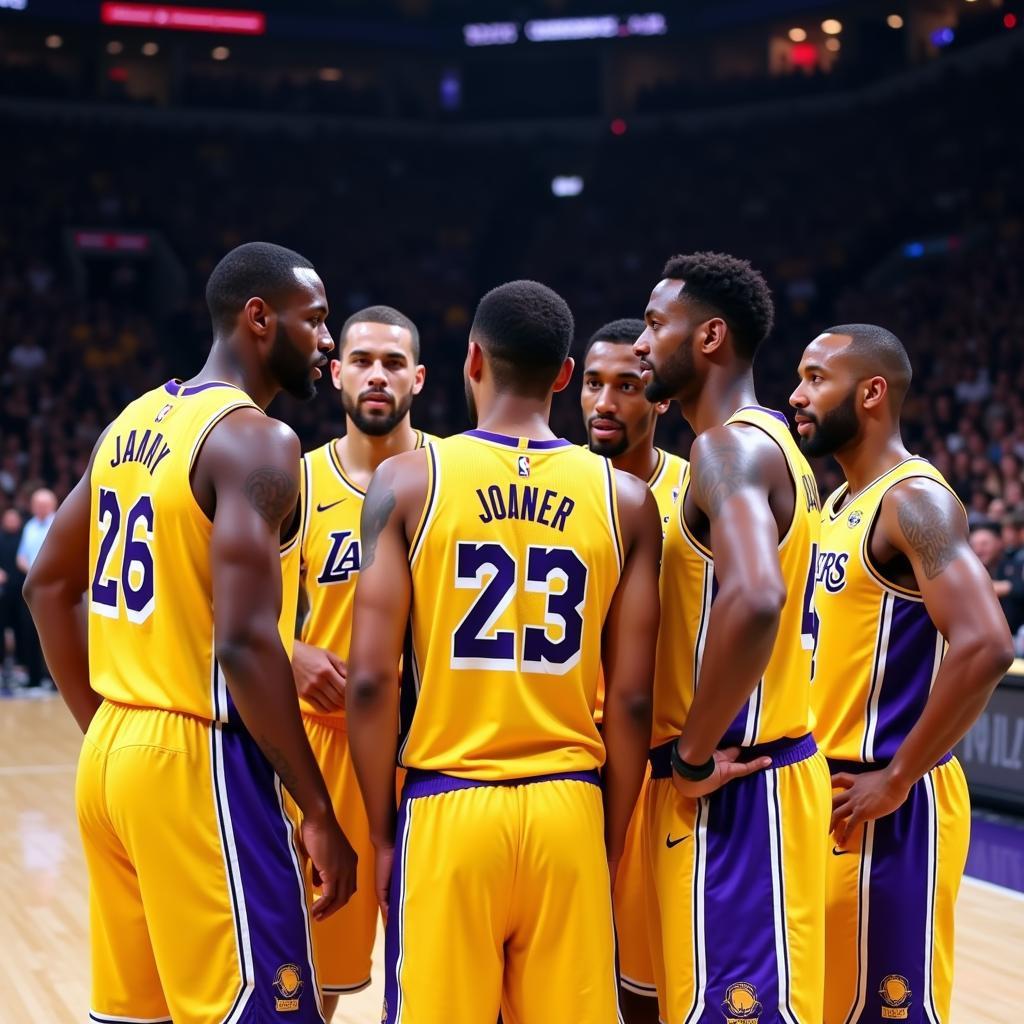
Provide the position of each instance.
(329, 74)
(54, 42)
(559, 30)
(565, 185)
(831, 27)
(943, 36)
(114, 47)
(894, 21)
(619, 126)
(1010, 20)
(833, 45)
(150, 49)
(220, 53)
(797, 35)
(498, 33)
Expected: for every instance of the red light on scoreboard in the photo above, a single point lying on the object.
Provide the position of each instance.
(185, 19)
(1010, 20)
(804, 55)
(619, 126)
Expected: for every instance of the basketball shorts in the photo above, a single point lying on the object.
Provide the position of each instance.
(500, 899)
(198, 912)
(890, 898)
(343, 944)
(736, 891)
(636, 971)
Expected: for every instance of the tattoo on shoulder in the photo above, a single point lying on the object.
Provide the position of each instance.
(930, 530)
(272, 492)
(377, 511)
(725, 467)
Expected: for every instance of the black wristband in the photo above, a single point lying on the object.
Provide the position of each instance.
(691, 772)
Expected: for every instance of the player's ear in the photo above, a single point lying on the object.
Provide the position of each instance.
(875, 391)
(421, 377)
(257, 316)
(474, 361)
(564, 374)
(336, 373)
(711, 334)
(661, 407)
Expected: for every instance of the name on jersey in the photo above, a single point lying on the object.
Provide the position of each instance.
(831, 573)
(515, 501)
(149, 449)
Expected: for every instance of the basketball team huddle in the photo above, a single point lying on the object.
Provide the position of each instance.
(605, 735)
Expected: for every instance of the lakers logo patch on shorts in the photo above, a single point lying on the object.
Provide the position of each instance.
(895, 994)
(288, 985)
(741, 1005)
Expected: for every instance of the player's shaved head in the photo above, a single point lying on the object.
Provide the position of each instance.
(876, 352)
(623, 331)
(387, 315)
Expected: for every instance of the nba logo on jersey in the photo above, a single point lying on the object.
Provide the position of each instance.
(162, 413)
(523, 463)
(288, 983)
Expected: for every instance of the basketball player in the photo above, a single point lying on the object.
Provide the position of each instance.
(739, 795)
(378, 373)
(514, 550)
(620, 425)
(184, 690)
(897, 586)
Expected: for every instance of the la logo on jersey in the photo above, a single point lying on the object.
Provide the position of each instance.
(523, 464)
(831, 571)
(741, 1005)
(895, 994)
(288, 984)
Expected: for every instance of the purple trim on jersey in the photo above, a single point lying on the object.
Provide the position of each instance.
(420, 783)
(857, 767)
(781, 417)
(271, 885)
(513, 442)
(179, 390)
(738, 903)
(783, 753)
(899, 908)
(909, 662)
(393, 929)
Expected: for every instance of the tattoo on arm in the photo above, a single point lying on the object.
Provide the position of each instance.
(724, 467)
(377, 509)
(272, 493)
(279, 763)
(930, 530)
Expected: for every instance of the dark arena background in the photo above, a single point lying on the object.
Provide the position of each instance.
(863, 155)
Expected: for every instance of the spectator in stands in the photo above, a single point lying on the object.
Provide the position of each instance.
(12, 605)
(1007, 572)
(44, 506)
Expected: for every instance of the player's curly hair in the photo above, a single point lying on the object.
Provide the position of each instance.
(526, 330)
(732, 289)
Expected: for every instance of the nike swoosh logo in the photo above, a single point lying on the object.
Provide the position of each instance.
(670, 842)
(836, 852)
(324, 508)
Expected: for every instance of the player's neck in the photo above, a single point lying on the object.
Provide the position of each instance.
(868, 460)
(640, 461)
(222, 364)
(516, 417)
(719, 399)
(361, 454)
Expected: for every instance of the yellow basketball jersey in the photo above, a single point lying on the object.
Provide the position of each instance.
(878, 650)
(666, 484)
(330, 550)
(150, 594)
(779, 705)
(514, 564)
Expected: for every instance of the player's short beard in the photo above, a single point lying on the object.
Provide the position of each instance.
(675, 374)
(609, 449)
(290, 368)
(835, 430)
(380, 424)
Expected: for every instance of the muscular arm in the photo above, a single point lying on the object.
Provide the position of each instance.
(54, 590)
(731, 487)
(627, 651)
(923, 521)
(382, 602)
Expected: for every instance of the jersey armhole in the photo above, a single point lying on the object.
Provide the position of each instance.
(429, 505)
(612, 503)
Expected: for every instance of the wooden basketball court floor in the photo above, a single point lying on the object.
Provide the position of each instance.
(44, 959)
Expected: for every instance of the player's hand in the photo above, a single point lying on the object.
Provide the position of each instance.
(727, 768)
(333, 862)
(384, 862)
(863, 797)
(320, 677)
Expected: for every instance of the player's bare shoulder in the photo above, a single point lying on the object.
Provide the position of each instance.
(922, 518)
(638, 509)
(399, 488)
(729, 458)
